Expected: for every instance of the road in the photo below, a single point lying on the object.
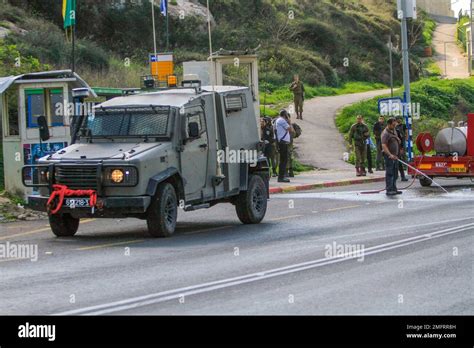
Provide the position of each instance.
(418, 254)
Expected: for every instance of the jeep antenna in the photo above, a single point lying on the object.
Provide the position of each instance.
(213, 70)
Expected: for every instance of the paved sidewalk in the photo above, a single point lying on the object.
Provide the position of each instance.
(321, 145)
(454, 63)
(323, 178)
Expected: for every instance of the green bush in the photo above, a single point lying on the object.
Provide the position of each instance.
(428, 30)
(11, 13)
(461, 36)
(9, 54)
(89, 54)
(44, 41)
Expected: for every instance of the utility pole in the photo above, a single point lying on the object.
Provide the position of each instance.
(470, 39)
(390, 47)
(403, 13)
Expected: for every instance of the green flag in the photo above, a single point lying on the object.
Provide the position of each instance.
(69, 13)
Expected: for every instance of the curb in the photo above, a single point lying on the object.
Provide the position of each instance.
(287, 189)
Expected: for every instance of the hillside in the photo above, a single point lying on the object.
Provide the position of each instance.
(327, 42)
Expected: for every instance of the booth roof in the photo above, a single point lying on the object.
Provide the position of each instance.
(6, 82)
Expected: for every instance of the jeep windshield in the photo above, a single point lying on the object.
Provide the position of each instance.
(129, 122)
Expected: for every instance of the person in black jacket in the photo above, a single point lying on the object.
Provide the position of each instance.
(402, 133)
(377, 130)
(268, 137)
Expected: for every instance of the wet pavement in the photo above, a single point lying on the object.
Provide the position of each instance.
(216, 265)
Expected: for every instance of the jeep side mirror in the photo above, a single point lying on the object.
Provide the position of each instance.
(43, 128)
(193, 130)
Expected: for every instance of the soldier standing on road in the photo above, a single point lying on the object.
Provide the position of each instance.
(359, 134)
(378, 129)
(391, 148)
(402, 134)
(297, 88)
(268, 137)
(282, 134)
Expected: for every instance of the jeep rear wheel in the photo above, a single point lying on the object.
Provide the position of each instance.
(163, 212)
(63, 225)
(251, 205)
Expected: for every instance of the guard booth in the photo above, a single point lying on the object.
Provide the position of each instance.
(22, 99)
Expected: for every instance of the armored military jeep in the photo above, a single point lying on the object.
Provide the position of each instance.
(148, 155)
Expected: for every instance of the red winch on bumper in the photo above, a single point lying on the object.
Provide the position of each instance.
(54, 205)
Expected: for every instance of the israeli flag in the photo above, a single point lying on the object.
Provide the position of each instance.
(164, 7)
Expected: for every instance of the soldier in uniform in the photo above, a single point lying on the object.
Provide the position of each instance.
(358, 135)
(297, 88)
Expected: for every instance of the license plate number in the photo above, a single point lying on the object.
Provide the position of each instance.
(77, 203)
(457, 170)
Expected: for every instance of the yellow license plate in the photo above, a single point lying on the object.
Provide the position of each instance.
(457, 170)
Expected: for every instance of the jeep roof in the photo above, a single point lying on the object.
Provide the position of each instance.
(169, 97)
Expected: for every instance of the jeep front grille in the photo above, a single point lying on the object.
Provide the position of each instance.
(77, 177)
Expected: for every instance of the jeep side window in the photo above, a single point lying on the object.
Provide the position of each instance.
(198, 118)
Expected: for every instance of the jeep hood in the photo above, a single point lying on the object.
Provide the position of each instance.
(102, 151)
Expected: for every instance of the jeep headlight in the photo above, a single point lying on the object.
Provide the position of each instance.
(121, 176)
(117, 176)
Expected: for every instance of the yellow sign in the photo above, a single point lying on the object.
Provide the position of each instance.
(161, 66)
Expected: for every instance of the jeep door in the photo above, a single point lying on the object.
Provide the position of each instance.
(194, 157)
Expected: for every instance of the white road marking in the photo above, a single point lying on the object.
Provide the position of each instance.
(163, 296)
(398, 228)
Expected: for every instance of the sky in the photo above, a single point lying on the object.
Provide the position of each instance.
(456, 5)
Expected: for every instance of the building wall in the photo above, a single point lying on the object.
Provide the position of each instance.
(436, 7)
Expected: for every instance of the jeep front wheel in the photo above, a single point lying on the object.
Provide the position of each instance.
(63, 225)
(251, 205)
(163, 212)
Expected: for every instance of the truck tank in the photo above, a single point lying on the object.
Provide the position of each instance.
(451, 140)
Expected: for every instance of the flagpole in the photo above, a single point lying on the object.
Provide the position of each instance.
(167, 28)
(73, 68)
(154, 30)
(69, 18)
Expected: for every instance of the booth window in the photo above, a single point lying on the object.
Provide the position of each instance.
(12, 127)
(43, 101)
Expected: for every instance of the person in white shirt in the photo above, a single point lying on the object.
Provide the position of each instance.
(283, 128)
